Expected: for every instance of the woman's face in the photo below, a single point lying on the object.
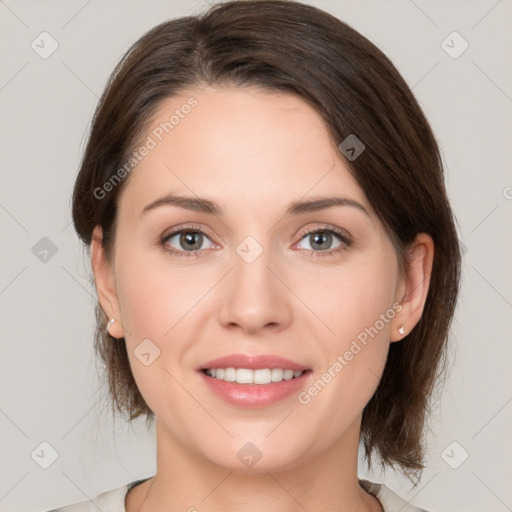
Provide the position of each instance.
(258, 282)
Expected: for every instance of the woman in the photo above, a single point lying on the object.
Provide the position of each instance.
(275, 257)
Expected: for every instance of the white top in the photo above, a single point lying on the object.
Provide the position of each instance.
(113, 501)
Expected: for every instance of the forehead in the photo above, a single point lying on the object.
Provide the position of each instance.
(238, 145)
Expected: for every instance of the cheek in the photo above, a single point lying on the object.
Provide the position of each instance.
(356, 308)
(142, 304)
(152, 298)
(156, 305)
(151, 303)
(351, 299)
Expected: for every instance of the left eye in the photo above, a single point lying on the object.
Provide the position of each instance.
(188, 240)
(322, 240)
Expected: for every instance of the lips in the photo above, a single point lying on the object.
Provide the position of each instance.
(254, 395)
(253, 362)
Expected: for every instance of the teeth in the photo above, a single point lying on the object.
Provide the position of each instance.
(247, 376)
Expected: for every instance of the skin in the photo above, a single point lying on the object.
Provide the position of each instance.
(264, 151)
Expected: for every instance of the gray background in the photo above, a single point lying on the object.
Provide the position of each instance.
(48, 387)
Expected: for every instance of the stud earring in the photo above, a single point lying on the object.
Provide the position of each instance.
(401, 329)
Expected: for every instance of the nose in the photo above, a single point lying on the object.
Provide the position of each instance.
(254, 296)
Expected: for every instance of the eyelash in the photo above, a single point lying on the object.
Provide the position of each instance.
(341, 235)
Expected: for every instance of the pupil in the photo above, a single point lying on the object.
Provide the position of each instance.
(188, 238)
(320, 235)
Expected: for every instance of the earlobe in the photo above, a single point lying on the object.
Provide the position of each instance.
(105, 283)
(417, 282)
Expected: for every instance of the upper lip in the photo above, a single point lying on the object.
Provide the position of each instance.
(253, 362)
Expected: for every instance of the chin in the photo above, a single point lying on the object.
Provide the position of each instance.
(253, 457)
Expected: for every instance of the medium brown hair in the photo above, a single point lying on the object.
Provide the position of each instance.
(287, 46)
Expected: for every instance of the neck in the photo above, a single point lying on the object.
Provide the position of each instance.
(185, 481)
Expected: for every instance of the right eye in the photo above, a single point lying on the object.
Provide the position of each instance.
(187, 241)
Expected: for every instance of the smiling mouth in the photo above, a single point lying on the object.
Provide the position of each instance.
(249, 376)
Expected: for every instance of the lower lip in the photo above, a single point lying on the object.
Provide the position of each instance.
(255, 395)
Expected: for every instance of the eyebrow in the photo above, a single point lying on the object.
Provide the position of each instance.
(203, 205)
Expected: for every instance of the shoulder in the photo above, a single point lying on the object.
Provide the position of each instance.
(108, 501)
(389, 500)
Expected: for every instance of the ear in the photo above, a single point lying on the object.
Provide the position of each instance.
(413, 290)
(105, 283)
